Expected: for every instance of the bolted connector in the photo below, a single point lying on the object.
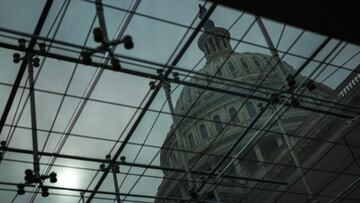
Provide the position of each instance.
(98, 35)
(102, 167)
(36, 62)
(106, 46)
(53, 177)
(128, 43)
(29, 176)
(3, 143)
(16, 58)
(123, 158)
(115, 63)
(152, 84)
(21, 189)
(44, 191)
(29, 179)
(116, 168)
(86, 58)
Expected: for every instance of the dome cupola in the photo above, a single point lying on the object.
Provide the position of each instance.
(214, 40)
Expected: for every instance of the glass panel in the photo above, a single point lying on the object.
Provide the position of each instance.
(25, 18)
(218, 124)
(203, 132)
(185, 132)
(191, 140)
(4, 92)
(157, 49)
(8, 69)
(233, 115)
(251, 110)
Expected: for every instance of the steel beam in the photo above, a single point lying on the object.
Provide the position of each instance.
(145, 166)
(116, 186)
(105, 192)
(263, 125)
(23, 65)
(282, 71)
(101, 17)
(33, 116)
(171, 80)
(150, 100)
(181, 142)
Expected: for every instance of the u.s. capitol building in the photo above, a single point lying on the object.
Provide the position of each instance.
(207, 135)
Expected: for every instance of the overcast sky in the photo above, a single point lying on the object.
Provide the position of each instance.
(154, 41)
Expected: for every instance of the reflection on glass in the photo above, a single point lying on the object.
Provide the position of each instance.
(216, 106)
(232, 67)
(251, 110)
(203, 132)
(256, 61)
(191, 140)
(102, 124)
(233, 115)
(219, 71)
(218, 125)
(244, 64)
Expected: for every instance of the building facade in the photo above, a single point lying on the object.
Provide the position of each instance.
(208, 136)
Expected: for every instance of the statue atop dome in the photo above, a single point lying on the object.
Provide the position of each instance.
(214, 39)
(202, 12)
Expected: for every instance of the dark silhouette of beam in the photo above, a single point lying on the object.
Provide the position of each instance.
(138, 165)
(186, 83)
(151, 99)
(23, 65)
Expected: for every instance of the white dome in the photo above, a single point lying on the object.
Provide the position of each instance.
(239, 66)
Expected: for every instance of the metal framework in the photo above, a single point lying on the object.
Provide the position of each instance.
(170, 75)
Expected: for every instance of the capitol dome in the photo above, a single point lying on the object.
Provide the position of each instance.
(216, 109)
(246, 67)
(223, 62)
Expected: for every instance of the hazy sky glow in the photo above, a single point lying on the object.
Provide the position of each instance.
(154, 41)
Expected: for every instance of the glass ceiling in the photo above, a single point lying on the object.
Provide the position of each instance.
(85, 112)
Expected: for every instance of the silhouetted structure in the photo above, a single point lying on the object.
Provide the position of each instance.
(200, 136)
